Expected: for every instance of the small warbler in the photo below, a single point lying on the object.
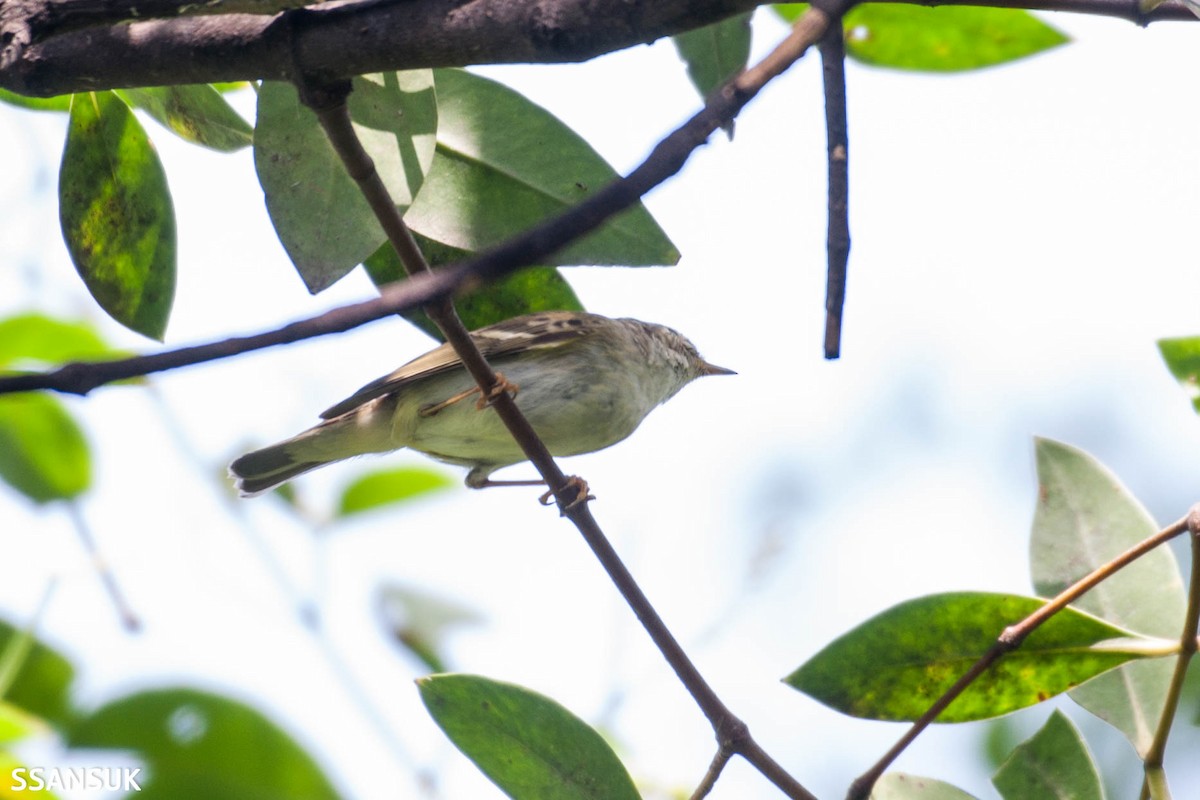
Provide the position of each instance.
(584, 382)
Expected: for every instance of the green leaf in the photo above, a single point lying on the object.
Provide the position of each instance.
(504, 164)
(1183, 359)
(43, 453)
(1084, 518)
(60, 102)
(715, 53)
(522, 292)
(41, 682)
(901, 786)
(944, 39)
(529, 745)
(318, 211)
(17, 724)
(45, 340)
(200, 746)
(196, 113)
(894, 665)
(1054, 762)
(384, 487)
(116, 213)
(420, 622)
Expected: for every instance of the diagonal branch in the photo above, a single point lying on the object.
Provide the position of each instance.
(1013, 636)
(732, 734)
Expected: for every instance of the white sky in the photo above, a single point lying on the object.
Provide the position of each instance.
(1021, 237)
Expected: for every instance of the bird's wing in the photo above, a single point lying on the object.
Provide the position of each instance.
(544, 330)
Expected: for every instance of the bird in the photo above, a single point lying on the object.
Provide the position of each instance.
(584, 382)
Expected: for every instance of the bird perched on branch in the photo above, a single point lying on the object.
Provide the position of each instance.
(583, 381)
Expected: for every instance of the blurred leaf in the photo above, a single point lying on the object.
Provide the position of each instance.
(942, 39)
(17, 724)
(43, 453)
(41, 685)
(202, 746)
(116, 213)
(504, 164)
(420, 622)
(318, 211)
(1183, 359)
(46, 340)
(529, 745)
(901, 786)
(1054, 762)
(522, 292)
(60, 102)
(1000, 737)
(383, 487)
(715, 53)
(196, 113)
(894, 665)
(1084, 518)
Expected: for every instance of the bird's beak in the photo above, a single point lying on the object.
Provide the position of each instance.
(713, 369)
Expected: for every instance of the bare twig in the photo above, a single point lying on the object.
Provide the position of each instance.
(833, 62)
(1187, 648)
(712, 773)
(1010, 639)
(129, 620)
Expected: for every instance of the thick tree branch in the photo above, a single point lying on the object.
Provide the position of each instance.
(340, 40)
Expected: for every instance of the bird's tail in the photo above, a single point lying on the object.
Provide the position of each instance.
(334, 440)
(263, 470)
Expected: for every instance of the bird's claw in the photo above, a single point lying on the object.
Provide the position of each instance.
(501, 386)
(582, 495)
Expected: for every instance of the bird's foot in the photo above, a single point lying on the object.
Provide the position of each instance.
(501, 386)
(582, 495)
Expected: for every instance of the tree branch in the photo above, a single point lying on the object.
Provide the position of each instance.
(837, 238)
(335, 41)
(340, 40)
(1187, 650)
(667, 158)
(1012, 637)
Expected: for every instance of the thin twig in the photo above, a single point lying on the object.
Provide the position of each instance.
(1010, 639)
(129, 620)
(833, 65)
(711, 774)
(1187, 648)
